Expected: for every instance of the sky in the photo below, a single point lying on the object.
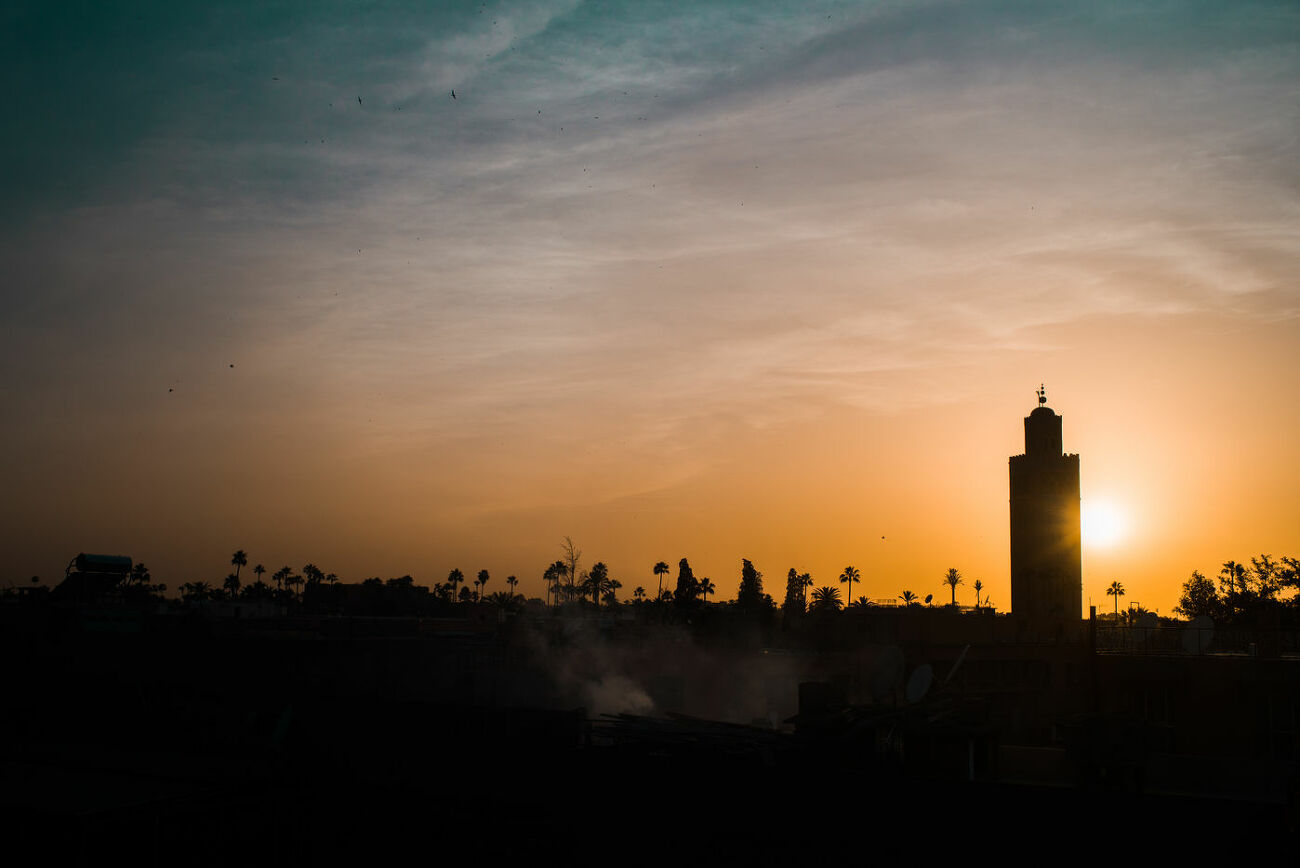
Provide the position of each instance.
(710, 280)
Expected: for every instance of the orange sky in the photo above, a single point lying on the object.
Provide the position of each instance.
(708, 284)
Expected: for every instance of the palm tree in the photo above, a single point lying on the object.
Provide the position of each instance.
(482, 582)
(140, 574)
(237, 560)
(908, 598)
(232, 584)
(825, 599)
(806, 582)
(860, 603)
(638, 593)
(258, 570)
(196, 590)
(707, 587)
(611, 595)
(952, 580)
(850, 575)
(512, 582)
(280, 576)
(661, 570)
(1115, 590)
(978, 586)
(455, 577)
(1235, 575)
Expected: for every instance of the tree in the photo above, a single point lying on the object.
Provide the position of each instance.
(572, 557)
(825, 599)
(860, 603)
(611, 594)
(952, 580)
(978, 586)
(597, 582)
(707, 587)
(638, 593)
(1266, 576)
(687, 587)
(140, 574)
(258, 571)
(454, 578)
(552, 577)
(237, 560)
(513, 583)
(231, 584)
(1233, 575)
(482, 582)
(1199, 597)
(506, 600)
(749, 597)
(794, 588)
(661, 570)
(908, 598)
(280, 576)
(195, 591)
(1115, 590)
(850, 575)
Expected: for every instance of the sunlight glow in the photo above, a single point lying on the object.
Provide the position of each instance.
(1103, 523)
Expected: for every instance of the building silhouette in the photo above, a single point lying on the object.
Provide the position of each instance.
(1046, 561)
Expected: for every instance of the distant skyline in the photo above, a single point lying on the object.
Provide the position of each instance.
(707, 280)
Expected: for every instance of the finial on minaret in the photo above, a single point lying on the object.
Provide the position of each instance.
(1042, 395)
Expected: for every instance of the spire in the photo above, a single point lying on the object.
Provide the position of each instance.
(1042, 395)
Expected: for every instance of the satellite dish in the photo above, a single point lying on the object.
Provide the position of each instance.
(886, 672)
(1198, 634)
(919, 684)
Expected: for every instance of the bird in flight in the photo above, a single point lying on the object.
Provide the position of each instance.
(453, 93)
(358, 100)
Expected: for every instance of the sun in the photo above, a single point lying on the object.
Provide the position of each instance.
(1103, 523)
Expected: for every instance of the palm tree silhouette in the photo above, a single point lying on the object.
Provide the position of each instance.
(638, 593)
(482, 582)
(825, 599)
(661, 570)
(952, 580)
(232, 585)
(978, 586)
(907, 597)
(512, 582)
(850, 575)
(455, 577)
(1115, 590)
(237, 560)
(597, 582)
(707, 587)
(258, 570)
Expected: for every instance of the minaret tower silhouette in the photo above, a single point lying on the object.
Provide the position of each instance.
(1046, 560)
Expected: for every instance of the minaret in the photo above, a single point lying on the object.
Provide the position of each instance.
(1046, 561)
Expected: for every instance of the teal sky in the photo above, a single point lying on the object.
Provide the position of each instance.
(649, 250)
